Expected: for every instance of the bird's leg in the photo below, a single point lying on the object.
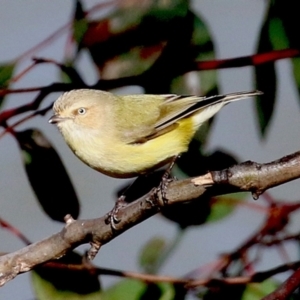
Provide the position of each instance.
(166, 179)
(112, 216)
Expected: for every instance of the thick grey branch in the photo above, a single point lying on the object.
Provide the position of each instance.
(248, 176)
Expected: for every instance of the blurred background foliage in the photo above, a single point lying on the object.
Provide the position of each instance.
(157, 45)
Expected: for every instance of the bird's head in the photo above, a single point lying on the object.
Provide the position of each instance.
(84, 109)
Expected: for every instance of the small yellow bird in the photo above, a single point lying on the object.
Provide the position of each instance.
(126, 136)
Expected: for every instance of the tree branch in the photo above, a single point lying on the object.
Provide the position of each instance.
(248, 176)
(287, 288)
(186, 282)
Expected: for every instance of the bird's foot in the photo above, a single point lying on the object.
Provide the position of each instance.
(93, 251)
(163, 186)
(112, 216)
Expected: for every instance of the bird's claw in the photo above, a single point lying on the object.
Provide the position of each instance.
(93, 251)
(163, 186)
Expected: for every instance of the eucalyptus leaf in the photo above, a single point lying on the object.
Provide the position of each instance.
(47, 175)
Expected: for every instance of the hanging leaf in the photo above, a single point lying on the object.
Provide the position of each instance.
(133, 37)
(287, 17)
(278, 32)
(217, 160)
(222, 207)
(202, 46)
(128, 289)
(131, 289)
(80, 23)
(63, 283)
(47, 175)
(151, 253)
(266, 80)
(6, 72)
(160, 291)
(188, 214)
(257, 291)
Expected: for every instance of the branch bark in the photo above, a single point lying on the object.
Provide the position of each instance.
(248, 176)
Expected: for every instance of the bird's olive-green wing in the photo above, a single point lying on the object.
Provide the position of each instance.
(140, 116)
(150, 116)
(136, 116)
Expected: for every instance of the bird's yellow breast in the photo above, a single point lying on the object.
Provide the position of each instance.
(122, 160)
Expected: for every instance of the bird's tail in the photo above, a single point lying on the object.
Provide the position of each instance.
(209, 106)
(227, 98)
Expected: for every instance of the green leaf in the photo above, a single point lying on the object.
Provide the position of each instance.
(69, 74)
(47, 175)
(158, 11)
(203, 82)
(256, 291)
(44, 290)
(79, 29)
(128, 289)
(63, 283)
(189, 213)
(6, 72)
(277, 34)
(222, 207)
(80, 23)
(266, 81)
(132, 39)
(195, 162)
(288, 16)
(168, 292)
(296, 71)
(151, 254)
(160, 291)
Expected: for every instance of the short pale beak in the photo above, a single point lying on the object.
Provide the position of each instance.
(56, 119)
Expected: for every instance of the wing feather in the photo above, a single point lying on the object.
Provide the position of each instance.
(164, 111)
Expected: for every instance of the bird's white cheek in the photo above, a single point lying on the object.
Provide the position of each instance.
(76, 136)
(63, 128)
(68, 130)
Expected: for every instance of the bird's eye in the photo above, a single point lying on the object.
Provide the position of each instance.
(81, 111)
